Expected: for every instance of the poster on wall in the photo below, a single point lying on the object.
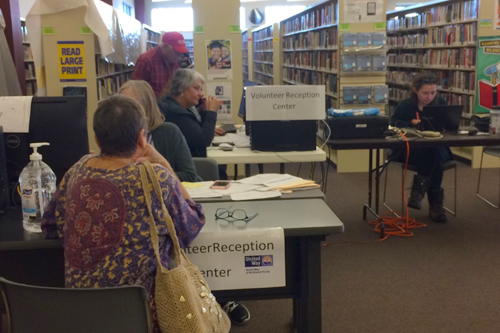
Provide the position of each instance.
(71, 61)
(222, 90)
(497, 14)
(365, 11)
(488, 72)
(219, 59)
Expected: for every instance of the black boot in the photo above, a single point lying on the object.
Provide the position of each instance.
(419, 187)
(436, 210)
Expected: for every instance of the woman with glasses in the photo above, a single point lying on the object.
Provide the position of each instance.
(428, 161)
(165, 137)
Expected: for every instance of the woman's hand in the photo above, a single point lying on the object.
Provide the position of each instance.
(219, 131)
(149, 153)
(212, 103)
(415, 122)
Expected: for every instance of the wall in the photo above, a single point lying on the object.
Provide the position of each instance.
(25, 6)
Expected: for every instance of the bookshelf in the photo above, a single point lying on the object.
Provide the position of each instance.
(29, 64)
(247, 64)
(266, 55)
(190, 47)
(310, 49)
(438, 37)
(153, 37)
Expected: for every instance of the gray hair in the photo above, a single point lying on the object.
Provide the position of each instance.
(183, 79)
(117, 123)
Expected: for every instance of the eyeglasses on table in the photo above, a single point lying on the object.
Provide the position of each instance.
(235, 215)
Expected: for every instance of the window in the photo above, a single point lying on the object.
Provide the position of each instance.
(172, 19)
(274, 14)
(127, 9)
(243, 19)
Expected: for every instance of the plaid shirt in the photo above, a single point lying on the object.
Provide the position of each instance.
(152, 68)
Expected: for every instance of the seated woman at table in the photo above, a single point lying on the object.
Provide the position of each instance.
(166, 138)
(429, 161)
(186, 106)
(98, 208)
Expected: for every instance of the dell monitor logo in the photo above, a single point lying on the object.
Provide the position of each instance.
(12, 141)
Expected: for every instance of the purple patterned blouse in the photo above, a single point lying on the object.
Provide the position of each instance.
(102, 217)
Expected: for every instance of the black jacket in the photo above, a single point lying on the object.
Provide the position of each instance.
(407, 110)
(198, 134)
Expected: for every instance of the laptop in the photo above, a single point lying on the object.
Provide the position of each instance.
(442, 118)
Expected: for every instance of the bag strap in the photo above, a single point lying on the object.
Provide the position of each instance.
(146, 169)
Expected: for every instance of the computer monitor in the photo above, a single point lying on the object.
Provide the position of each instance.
(61, 121)
(242, 111)
(442, 117)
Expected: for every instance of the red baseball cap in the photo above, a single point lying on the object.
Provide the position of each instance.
(176, 40)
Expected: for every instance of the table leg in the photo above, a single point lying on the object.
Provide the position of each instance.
(377, 181)
(247, 170)
(282, 168)
(370, 171)
(261, 167)
(235, 171)
(307, 306)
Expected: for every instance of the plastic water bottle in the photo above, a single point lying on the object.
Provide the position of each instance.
(38, 184)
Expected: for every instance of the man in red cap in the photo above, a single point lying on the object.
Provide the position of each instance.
(157, 66)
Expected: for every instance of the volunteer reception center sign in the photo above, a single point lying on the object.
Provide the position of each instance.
(71, 61)
(240, 259)
(285, 102)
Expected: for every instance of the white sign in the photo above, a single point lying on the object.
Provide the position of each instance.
(15, 114)
(364, 11)
(222, 90)
(240, 259)
(285, 102)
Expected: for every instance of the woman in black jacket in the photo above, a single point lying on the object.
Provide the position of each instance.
(429, 161)
(187, 107)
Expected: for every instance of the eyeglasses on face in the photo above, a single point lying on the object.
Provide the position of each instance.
(237, 214)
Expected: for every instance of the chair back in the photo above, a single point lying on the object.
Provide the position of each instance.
(206, 168)
(55, 310)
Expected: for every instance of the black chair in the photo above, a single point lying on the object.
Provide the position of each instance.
(206, 168)
(450, 165)
(493, 151)
(58, 310)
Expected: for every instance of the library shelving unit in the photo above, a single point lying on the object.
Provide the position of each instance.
(247, 63)
(266, 55)
(438, 37)
(190, 47)
(152, 37)
(29, 64)
(310, 49)
(100, 78)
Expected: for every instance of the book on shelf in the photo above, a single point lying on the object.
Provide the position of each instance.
(363, 94)
(349, 63)
(349, 95)
(380, 94)
(363, 39)
(363, 63)
(379, 39)
(379, 62)
(313, 18)
(349, 39)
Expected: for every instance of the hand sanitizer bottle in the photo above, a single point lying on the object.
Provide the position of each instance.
(38, 184)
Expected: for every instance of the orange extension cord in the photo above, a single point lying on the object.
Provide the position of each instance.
(398, 226)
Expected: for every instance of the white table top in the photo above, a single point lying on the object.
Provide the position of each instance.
(307, 217)
(248, 156)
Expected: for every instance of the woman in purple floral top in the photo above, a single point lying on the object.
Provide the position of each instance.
(100, 212)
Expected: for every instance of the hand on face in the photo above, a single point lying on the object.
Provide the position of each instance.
(212, 103)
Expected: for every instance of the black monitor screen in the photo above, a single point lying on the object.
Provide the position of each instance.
(242, 111)
(61, 121)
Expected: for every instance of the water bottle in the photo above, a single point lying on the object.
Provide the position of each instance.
(38, 184)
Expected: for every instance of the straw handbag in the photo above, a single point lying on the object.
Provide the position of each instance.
(184, 302)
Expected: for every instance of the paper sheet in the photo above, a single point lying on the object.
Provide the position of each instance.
(268, 179)
(15, 113)
(192, 185)
(255, 195)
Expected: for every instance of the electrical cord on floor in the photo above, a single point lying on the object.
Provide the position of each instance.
(397, 226)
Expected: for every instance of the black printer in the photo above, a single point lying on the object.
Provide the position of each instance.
(358, 127)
